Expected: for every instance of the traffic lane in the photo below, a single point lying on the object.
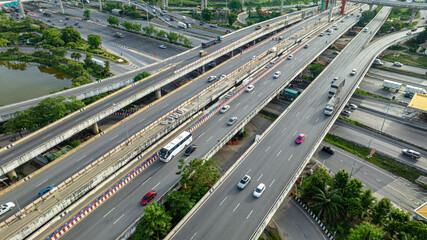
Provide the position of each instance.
(398, 77)
(251, 160)
(379, 144)
(389, 108)
(406, 68)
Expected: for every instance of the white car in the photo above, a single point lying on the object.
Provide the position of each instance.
(162, 46)
(259, 190)
(277, 74)
(353, 72)
(397, 64)
(413, 154)
(222, 76)
(211, 78)
(249, 88)
(290, 57)
(6, 207)
(245, 181)
(253, 57)
(335, 78)
(321, 34)
(225, 109)
(352, 106)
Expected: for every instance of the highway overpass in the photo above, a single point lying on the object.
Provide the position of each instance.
(398, 4)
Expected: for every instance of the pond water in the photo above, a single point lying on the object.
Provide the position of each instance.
(21, 81)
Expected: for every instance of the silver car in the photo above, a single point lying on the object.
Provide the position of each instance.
(231, 121)
(244, 181)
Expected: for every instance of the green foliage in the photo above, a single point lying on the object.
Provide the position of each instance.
(88, 59)
(53, 37)
(232, 17)
(315, 69)
(75, 143)
(155, 223)
(416, 229)
(366, 231)
(197, 176)
(113, 21)
(328, 204)
(318, 180)
(94, 41)
(341, 179)
(131, 12)
(76, 56)
(69, 34)
(178, 204)
(366, 17)
(381, 210)
(3, 42)
(140, 76)
(86, 14)
(396, 220)
(235, 6)
(367, 200)
(149, 29)
(422, 37)
(58, 52)
(173, 37)
(206, 14)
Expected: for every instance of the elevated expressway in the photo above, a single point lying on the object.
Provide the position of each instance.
(73, 162)
(122, 209)
(398, 4)
(276, 160)
(29, 147)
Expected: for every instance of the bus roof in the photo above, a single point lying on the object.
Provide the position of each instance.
(176, 140)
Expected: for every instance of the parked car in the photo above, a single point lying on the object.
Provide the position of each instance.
(148, 197)
(413, 154)
(328, 150)
(162, 46)
(225, 109)
(300, 138)
(277, 74)
(231, 121)
(335, 52)
(211, 78)
(190, 150)
(250, 88)
(259, 190)
(409, 95)
(45, 190)
(6, 207)
(414, 29)
(244, 181)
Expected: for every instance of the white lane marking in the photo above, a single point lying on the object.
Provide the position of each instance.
(378, 180)
(272, 182)
(245, 107)
(156, 185)
(237, 104)
(290, 157)
(200, 135)
(365, 173)
(279, 153)
(114, 137)
(265, 82)
(193, 235)
(307, 116)
(236, 207)
(81, 158)
(317, 120)
(141, 120)
(118, 219)
(294, 133)
(259, 177)
(223, 201)
(220, 119)
(109, 212)
(341, 160)
(309, 100)
(249, 214)
(297, 114)
(42, 183)
(267, 149)
(209, 139)
(363, 163)
(283, 129)
(248, 171)
(185, 160)
(309, 218)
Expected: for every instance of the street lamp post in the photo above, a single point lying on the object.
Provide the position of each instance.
(14, 198)
(385, 118)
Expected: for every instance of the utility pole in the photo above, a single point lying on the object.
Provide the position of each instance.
(62, 7)
(100, 5)
(22, 8)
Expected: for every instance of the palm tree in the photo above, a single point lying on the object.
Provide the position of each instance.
(327, 201)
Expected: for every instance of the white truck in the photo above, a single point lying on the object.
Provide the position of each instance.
(182, 25)
(331, 106)
(387, 84)
(413, 89)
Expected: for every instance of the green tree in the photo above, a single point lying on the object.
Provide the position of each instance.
(317, 180)
(161, 33)
(86, 14)
(353, 207)
(53, 37)
(327, 204)
(76, 68)
(3, 42)
(353, 189)
(178, 204)
(140, 76)
(113, 21)
(58, 52)
(396, 220)
(367, 200)
(235, 6)
(172, 36)
(148, 29)
(88, 59)
(416, 229)
(422, 37)
(81, 80)
(315, 69)
(187, 42)
(181, 37)
(94, 41)
(366, 231)
(69, 34)
(155, 223)
(341, 179)
(381, 211)
(76, 56)
(206, 14)
(136, 27)
(106, 68)
(232, 18)
(127, 25)
(197, 176)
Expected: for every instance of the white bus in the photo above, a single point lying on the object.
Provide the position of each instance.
(175, 146)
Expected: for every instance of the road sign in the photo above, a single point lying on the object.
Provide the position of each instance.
(7, 5)
(16, 4)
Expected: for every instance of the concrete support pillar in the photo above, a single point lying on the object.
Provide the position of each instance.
(330, 13)
(232, 53)
(100, 5)
(242, 130)
(414, 12)
(302, 14)
(370, 7)
(61, 6)
(158, 93)
(95, 128)
(281, 7)
(278, 96)
(203, 69)
(12, 175)
(202, 5)
(22, 8)
(343, 2)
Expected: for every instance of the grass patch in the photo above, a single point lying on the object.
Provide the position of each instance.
(363, 93)
(356, 123)
(269, 115)
(384, 162)
(408, 59)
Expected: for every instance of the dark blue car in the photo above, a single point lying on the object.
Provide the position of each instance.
(45, 190)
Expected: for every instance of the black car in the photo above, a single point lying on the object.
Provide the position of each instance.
(328, 150)
(409, 95)
(190, 149)
(346, 113)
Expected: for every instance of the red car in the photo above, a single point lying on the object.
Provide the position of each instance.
(148, 197)
(300, 138)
